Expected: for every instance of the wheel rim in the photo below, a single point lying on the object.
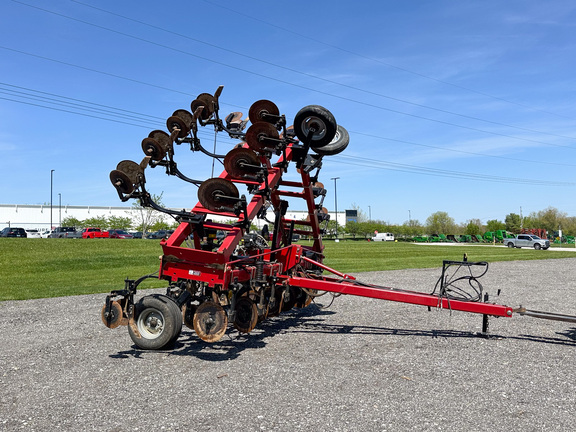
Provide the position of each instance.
(150, 323)
(316, 123)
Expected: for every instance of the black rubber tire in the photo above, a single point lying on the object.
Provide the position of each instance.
(337, 145)
(158, 320)
(510, 245)
(321, 119)
(537, 246)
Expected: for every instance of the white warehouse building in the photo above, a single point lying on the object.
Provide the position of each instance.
(38, 217)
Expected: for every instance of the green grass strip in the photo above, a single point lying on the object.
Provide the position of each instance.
(41, 268)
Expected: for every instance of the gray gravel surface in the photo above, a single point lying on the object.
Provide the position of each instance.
(361, 365)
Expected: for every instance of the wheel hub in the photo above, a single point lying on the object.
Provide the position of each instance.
(153, 323)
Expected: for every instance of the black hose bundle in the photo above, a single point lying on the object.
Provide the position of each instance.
(455, 286)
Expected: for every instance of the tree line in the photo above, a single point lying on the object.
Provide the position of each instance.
(440, 222)
(143, 219)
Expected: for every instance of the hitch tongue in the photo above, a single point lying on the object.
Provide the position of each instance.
(545, 315)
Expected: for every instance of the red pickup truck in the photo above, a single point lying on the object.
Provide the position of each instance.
(90, 233)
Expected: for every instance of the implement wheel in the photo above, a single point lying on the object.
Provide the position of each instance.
(337, 145)
(157, 322)
(316, 124)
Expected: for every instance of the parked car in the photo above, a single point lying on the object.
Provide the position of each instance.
(136, 235)
(119, 234)
(91, 233)
(159, 234)
(33, 233)
(527, 240)
(46, 233)
(63, 232)
(13, 232)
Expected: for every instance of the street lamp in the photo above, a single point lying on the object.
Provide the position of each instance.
(51, 184)
(369, 214)
(59, 209)
(336, 205)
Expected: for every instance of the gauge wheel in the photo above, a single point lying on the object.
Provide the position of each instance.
(158, 322)
(337, 145)
(316, 121)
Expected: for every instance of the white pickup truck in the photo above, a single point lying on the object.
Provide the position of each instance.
(527, 240)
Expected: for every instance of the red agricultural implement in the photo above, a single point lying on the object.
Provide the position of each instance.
(245, 276)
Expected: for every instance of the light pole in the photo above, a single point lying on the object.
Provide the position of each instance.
(369, 214)
(409, 218)
(59, 209)
(336, 205)
(51, 184)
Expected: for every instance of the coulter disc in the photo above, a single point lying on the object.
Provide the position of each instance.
(217, 193)
(241, 161)
(260, 108)
(210, 321)
(114, 318)
(246, 315)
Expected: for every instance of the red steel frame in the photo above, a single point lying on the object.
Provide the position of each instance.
(218, 271)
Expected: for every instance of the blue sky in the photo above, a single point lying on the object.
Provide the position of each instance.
(466, 107)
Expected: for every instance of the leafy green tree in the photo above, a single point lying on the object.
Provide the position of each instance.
(495, 225)
(72, 222)
(331, 229)
(98, 222)
(369, 228)
(411, 228)
(145, 217)
(513, 223)
(353, 228)
(159, 225)
(472, 229)
(569, 226)
(440, 223)
(119, 222)
(550, 219)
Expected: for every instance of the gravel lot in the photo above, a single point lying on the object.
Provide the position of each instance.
(361, 365)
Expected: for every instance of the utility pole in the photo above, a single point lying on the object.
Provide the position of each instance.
(51, 184)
